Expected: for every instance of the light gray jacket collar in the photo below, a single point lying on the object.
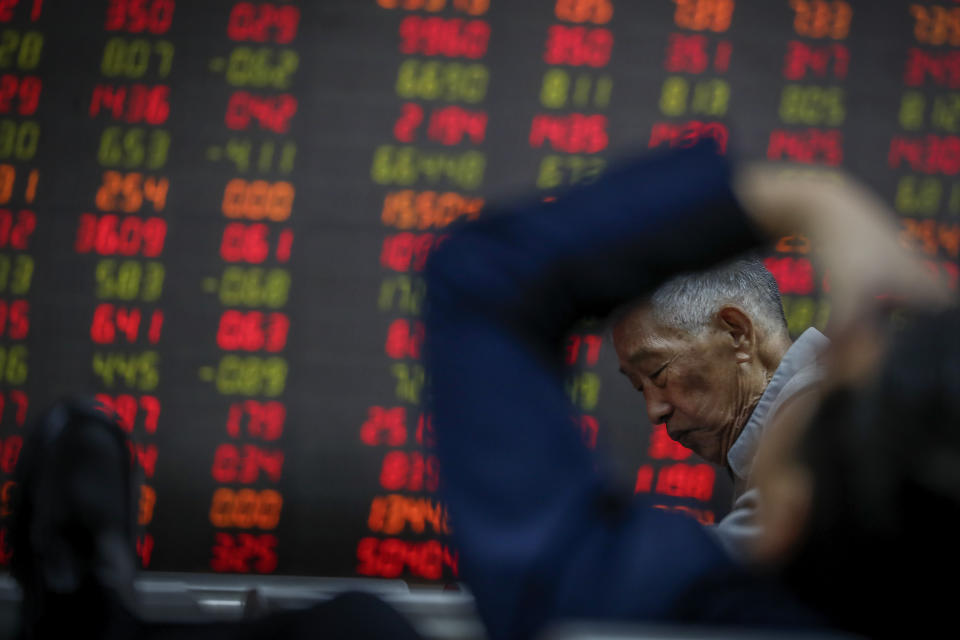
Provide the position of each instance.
(802, 354)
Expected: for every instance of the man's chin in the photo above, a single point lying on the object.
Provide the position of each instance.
(707, 452)
(691, 439)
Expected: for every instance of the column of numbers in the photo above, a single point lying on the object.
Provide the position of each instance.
(256, 244)
(125, 230)
(695, 98)
(925, 152)
(21, 90)
(812, 109)
(432, 170)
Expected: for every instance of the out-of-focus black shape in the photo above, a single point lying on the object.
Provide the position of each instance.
(73, 540)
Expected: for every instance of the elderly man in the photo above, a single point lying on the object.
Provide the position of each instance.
(711, 354)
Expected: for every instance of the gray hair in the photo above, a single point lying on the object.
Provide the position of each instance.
(689, 301)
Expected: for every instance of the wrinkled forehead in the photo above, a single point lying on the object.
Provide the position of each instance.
(637, 333)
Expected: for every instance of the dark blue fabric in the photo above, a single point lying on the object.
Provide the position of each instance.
(541, 532)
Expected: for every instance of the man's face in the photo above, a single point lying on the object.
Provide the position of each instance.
(690, 382)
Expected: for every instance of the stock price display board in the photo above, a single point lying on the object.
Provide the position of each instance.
(214, 217)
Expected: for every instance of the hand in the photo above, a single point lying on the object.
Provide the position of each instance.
(854, 236)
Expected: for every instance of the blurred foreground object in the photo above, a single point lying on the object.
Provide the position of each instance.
(542, 534)
(862, 497)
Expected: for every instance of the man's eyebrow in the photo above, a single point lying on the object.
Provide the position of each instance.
(641, 354)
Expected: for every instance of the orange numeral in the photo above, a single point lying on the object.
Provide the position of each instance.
(127, 192)
(148, 498)
(936, 25)
(595, 11)
(246, 508)
(703, 15)
(258, 200)
(410, 209)
(822, 19)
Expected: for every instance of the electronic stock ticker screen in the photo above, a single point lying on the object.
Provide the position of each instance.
(214, 217)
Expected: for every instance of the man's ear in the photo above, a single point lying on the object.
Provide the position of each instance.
(736, 324)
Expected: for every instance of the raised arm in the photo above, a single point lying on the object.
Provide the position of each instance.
(541, 532)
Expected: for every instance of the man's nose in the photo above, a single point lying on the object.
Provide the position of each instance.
(658, 409)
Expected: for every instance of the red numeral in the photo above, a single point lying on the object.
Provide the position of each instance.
(808, 146)
(411, 116)
(389, 558)
(252, 331)
(144, 456)
(137, 16)
(249, 243)
(8, 9)
(24, 92)
(110, 234)
(803, 58)
(384, 427)
(145, 546)
(15, 230)
(133, 104)
(271, 113)
(284, 245)
(404, 338)
(112, 323)
(263, 23)
(409, 471)
(578, 46)
(793, 275)
(447, 125)
(264, 420)
(686, 481)
(589, 343)
(687, 52)
(14, 320)
(927, 154)
(690, 53)
(943, 68)
(129, 409)
(244, 464)
(244, 552)
(20, 403)
(686, 134)
(451, 37)
(450, 125)
(572, 133)
(644, 482)
(10, 452)
(406, 251)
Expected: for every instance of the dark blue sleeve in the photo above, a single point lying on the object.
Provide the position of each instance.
(541, 533)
